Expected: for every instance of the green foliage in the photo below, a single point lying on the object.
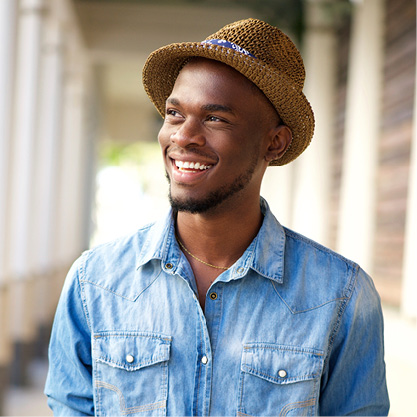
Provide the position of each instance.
(119, 154)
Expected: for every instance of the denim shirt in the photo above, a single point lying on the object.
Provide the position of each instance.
(290, 329)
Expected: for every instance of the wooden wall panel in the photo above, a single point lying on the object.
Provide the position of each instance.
(343, 41)
(397, 100)
(394, 146)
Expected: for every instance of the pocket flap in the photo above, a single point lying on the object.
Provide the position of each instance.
(281, 364)
(131, 350)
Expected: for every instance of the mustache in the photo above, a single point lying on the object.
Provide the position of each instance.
(192, 151)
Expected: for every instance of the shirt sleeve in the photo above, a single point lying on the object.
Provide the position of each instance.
(354, 381)
(69, 383)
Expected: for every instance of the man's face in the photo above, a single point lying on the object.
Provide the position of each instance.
(214, 137)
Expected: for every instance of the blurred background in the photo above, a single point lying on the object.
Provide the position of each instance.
(80, 163)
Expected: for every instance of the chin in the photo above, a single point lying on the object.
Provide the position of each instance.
(214, 198)
(193, 206)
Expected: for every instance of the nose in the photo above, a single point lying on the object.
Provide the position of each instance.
(188, 134)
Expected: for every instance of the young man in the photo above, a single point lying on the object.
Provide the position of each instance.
(218, 309)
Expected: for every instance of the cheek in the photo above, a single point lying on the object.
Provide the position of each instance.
(253, 144)
(163, 137)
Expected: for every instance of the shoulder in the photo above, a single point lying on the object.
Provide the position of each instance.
(126, 247)
(323, 275)
(297, 245)
(113, 265)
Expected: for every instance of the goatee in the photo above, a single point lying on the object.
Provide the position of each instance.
(214, 198)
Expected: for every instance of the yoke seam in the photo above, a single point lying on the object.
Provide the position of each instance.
(342, 309)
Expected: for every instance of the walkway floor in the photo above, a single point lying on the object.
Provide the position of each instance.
(400, 356)
(401, 362)
(29, 401)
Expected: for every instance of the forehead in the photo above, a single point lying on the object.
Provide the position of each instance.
(217, 81)
(212, 72)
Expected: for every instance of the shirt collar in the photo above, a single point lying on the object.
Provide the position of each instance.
(265, 255)
(158, 241)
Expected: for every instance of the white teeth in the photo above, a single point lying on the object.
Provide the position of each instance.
(191, 165)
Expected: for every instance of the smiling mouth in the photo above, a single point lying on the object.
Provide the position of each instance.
(187, 166)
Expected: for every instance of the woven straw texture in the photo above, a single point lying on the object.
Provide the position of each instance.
(277, 70)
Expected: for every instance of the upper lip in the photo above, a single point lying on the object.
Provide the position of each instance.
(195, 157)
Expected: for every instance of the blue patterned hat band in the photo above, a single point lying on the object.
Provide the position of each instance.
(228, 44)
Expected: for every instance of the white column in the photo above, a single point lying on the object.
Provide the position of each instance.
(46, 177)
(8, 9)
(313, 168)
(48, 146)
(7, 57)
(23, 164)
(25, 127)
(72, 165)
(409, 288)
(357, 205)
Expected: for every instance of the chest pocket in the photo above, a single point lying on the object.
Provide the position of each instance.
(131, 373)
(279, 380)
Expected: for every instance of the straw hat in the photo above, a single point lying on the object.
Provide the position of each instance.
(259, 51)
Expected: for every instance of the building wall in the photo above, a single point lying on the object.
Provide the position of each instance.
(342, 34)
(394, 146)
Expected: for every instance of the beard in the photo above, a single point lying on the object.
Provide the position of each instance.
(214, 198)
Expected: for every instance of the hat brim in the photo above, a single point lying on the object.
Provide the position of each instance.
(163, 66)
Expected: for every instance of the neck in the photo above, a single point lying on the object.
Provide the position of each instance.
(221, 237)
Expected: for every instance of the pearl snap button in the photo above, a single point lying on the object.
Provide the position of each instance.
(213, 296)
(240, 270)
(169, 265)
(282, 373)
(130, 358)
(204, 360)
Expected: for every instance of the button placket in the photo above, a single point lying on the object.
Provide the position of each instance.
(204, 364)
(213, 295)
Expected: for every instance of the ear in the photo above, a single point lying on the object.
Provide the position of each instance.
(280, 140)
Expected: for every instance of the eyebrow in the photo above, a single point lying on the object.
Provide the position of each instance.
(217, 107)
(206, 107)
(173, 101)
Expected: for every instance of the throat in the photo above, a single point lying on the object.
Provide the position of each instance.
(204, 278)
(222, 268)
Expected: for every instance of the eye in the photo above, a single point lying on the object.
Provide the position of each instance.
(173, 116)
(172, 112)
(212, 118)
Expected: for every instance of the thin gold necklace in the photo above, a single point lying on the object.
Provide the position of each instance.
(200, 260)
